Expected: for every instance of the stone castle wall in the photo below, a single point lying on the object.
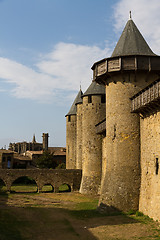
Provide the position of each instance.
(150, 163)
(71, 135)
(120, 188)
(104, 160)
(93, 113)
(122, 180)
(123, 166)
(79, 137)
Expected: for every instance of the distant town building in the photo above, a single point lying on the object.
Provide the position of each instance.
(6, 158)
(25, 154)
(22, 147)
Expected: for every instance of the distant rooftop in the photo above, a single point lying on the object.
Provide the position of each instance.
(34, 152)
(57, 151)
(5, 151)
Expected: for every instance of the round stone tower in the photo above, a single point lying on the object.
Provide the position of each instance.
(79, 132)
(93, 112)
(131, 67)
(71, 134)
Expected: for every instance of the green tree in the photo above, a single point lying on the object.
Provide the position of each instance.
(61, 166)
(46, 161)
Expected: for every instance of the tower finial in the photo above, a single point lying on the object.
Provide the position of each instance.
(130, 15)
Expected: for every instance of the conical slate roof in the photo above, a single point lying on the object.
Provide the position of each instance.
(95, 89)
(131, 42)
(78, 99)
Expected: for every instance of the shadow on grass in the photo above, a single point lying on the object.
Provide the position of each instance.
(8, 230)
(82, 214)
(56, 223)
(3, 193)
(112, 218)
(34, 223)
(41, 223)
(24, 192)
(9, 226)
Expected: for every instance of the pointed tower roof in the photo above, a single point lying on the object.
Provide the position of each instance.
(131, 54)
(132, 42)
(78, 99)
(95, 89)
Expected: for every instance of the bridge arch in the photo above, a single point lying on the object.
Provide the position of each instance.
(50, 187)
(16, 176)
(65, 187)
(24, 180)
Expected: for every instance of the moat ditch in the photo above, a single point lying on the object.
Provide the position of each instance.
(66, 215)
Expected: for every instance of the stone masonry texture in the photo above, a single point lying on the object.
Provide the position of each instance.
(123, 146)
(79, 137)
(71, 133)
(150, 154)
(121, 162)
(93, 113)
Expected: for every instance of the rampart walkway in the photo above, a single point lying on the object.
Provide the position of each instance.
(54, 177)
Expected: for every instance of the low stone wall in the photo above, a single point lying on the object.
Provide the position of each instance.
(55, 177)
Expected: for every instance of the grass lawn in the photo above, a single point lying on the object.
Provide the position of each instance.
(33, 188)
(49, 216)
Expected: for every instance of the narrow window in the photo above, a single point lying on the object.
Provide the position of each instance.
(69, 118)
(89, 99)
(103, 98)
(9, 162)
(157, 166)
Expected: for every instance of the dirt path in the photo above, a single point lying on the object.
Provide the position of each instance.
(67, 216)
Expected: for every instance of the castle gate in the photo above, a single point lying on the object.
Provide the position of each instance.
(54, 177)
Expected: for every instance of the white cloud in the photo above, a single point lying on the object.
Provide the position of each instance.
(56, 75)
(26, 82)
(145, 14)
(69, 64)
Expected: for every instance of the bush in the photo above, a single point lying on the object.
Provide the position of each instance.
(61, 166)
(46, 161)
(139, 214)
(131, 212)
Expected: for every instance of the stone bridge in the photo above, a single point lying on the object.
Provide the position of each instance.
(53, 177)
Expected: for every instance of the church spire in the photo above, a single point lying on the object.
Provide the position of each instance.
(34, 139)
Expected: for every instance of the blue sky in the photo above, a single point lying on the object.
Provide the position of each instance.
(47, 48)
